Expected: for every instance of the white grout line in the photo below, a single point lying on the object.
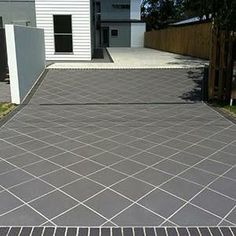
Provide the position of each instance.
(224, 218)
(189, 201)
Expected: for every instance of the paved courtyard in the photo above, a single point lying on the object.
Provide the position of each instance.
(118, 148)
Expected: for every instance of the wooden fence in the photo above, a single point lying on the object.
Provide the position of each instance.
(193, 40)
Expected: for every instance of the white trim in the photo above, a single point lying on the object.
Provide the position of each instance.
(12, 63)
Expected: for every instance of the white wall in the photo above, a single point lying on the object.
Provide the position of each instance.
(135, 9)
(26, 59)
(81, 26)
(137, 34)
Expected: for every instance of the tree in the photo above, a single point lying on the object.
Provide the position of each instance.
(223, 12)
(159, 13)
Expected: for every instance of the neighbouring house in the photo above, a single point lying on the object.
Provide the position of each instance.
(20, 12)
(75, 29)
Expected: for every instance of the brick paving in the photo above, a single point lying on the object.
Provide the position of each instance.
(136, 231)
(118, 148)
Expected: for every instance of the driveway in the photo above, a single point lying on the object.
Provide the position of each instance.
(118, 148)
(135, 58)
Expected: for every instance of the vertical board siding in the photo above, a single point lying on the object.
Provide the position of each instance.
(81, 26)
(193, 40)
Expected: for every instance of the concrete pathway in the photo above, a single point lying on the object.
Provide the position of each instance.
(118, 148)
(136, 58)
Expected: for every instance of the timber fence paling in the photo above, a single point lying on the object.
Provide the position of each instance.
(193, 40)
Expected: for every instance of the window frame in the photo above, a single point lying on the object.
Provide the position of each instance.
(63, 34)
(115, 36)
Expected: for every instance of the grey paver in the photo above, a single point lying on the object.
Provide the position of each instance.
(128, 167)
(82, 189)
(23, 216)
(164, 199)
(108, 203)
(192, 216)
(107, 176)
(153, 176)
(214, 202)
(79, 216)
(14, 177)
(31, 189)
(53, 204)
(132, 188)
(224, 186)
(181, 188)
(60, 177)
(142, 217)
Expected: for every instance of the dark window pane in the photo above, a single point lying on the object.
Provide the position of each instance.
(114, 33)
(1, 24)
(63, 43)
(121, 6)
(62, 24)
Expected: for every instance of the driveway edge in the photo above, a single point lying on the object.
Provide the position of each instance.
(10, 115)
(225, 114)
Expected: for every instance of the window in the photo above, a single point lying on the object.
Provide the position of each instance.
(121, 6)
(63, 33)
(114, 33)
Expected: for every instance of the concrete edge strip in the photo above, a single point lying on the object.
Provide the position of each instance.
(109, 55)
(11, 114)
(126, 68)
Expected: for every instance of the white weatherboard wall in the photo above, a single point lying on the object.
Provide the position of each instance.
(81, 26)
(26, 59)
(137, 34)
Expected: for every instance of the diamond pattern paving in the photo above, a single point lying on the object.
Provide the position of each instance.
(118, 148)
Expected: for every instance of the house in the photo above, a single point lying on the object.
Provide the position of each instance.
(75, 29)
(17, 12)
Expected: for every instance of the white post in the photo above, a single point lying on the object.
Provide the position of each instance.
(12, 64)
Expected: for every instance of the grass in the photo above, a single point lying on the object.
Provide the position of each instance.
(5, 108)
(231, 109)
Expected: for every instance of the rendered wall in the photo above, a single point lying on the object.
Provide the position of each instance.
(108, 12)
(137, 34)
(26, 59)
(123, 38)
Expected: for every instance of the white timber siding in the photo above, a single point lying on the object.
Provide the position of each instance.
(81, 27)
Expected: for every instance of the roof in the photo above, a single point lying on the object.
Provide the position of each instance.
(190, 20)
